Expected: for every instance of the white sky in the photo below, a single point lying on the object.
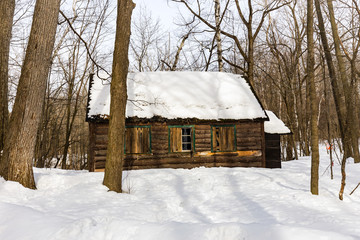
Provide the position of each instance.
(165, 10)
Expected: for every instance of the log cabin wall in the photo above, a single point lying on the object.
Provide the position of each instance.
(272, 150)
(248, 148)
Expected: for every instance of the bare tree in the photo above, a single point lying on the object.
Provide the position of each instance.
(145, 42)
(345, 87)
(63, 131)
(24, 121)
(252, 28)
(283, 67)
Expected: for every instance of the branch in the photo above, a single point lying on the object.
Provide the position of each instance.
(355, 188)
(173, 68)
(86, 46)
(237, 42)
(234, 65)
(168, 65)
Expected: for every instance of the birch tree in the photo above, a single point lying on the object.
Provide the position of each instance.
(218, 34)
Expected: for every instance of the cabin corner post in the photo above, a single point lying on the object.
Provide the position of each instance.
(263, 145)
(91, 150)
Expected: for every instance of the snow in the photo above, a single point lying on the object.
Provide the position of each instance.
(201, 203)
(201, 95)
(275, 125)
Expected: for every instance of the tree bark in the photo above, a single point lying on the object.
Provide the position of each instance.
(25, 117)
(6, 18)
(177, 55)
(354, 117)
(314, 183)
(118, 91)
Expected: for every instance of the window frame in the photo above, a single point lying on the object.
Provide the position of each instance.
(212, 137)
(138, 126)
(192, 134)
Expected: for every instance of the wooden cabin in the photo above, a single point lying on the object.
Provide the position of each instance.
(181, 120)
(274, 129)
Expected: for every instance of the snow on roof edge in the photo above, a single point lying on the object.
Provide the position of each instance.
(275, 125)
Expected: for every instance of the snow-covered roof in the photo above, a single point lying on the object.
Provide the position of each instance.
(275, 125)
(201, 95)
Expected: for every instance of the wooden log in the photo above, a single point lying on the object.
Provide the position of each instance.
(203, 145)
(203, 149)
(201, 127)
(99, 158)
(92, 136)
(159, 138)
(194, 160)
(192, 165)
(246, 148)
(100, 147)
(160, 146)
(102, 125)
(214, 161)
(101, 139)
(99, 164)
(102, 131)
(202, 139)
(202, 131)
(100, 152)
(248, 139)
(163, 152)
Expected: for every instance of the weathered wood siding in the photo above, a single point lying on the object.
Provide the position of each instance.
(272, 150)
(250, 142)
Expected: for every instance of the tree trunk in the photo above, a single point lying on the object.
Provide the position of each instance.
(69, 121)
(314, 185)
(118, 91)
(25, 117)
(218, 35)
(6, 20)
(343, 79)
(250, 63)
(353, 118)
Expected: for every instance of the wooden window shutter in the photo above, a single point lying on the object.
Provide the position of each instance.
(175, 139)
(137, 140)
(129, 140)
(223, 139)
(228, 139)
(145, 141)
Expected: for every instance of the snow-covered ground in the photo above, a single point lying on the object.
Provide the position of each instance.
(202, 203)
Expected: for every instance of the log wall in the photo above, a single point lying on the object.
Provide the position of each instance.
(272, 150)
(250, 148)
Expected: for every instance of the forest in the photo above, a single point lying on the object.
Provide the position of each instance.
(301, 57)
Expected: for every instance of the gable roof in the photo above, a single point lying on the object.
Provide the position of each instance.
(275, 125)
(171, 95)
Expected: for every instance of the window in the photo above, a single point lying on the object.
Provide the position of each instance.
(137, 139)
(186, 139)
(181, 139)
(223, 138)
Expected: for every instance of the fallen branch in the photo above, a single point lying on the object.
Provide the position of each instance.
(355, 188)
